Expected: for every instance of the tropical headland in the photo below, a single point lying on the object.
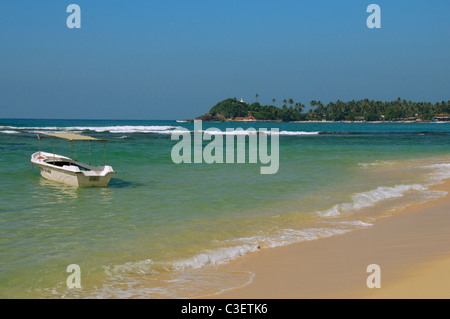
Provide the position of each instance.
(399, 110)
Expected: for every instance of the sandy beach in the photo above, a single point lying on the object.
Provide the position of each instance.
(411, 247)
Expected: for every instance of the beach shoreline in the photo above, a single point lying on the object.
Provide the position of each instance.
(410, 246)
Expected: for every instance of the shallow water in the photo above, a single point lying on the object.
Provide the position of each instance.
(159, 229)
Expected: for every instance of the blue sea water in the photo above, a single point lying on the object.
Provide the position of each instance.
(160, 229)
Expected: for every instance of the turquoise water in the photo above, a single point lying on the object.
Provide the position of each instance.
(160, 229)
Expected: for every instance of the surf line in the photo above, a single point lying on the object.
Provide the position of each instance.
(214, 152)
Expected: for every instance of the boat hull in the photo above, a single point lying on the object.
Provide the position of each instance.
(71, 174)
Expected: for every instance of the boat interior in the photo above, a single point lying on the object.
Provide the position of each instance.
(66, 163)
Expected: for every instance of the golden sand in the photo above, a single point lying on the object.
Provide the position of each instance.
(412, 249)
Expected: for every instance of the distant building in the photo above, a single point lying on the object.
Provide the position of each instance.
(245, 119)
(442, 117)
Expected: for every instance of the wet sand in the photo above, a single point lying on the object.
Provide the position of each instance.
(411, 247)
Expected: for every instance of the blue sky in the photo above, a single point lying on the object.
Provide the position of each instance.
(176, 59)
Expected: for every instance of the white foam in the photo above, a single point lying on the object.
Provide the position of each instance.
(355, 223)
(9, 132)
(439, 172)
(233, 249)
(214, 257)
(230, 132)
(376, 164)
(133, 129)
(291, 132)
(251, 132)
(253, 243)
(46, 128)
(122, 281)
(289, 236)
(125, 129)
(147, 266)
(370, 198)
(297, 133)
(112, 129)
(156, 129)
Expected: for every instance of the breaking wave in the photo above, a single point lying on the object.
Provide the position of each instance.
(182, 273)
(439, 172)
(100, 129)
(129, 279)
(371, 198)
(130, 129)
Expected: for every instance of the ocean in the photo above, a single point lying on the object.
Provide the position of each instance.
(161, 229)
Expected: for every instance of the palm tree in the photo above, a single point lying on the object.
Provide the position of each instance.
(273, 101)
(256, 95)
(299, 107)
(291, 101)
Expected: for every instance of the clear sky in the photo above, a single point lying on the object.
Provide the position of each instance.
(175, 59)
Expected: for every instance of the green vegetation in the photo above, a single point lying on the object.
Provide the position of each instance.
(362, 110)
(232, 108)
(369, 110)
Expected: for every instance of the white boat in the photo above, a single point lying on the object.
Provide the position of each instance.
(65, 170)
